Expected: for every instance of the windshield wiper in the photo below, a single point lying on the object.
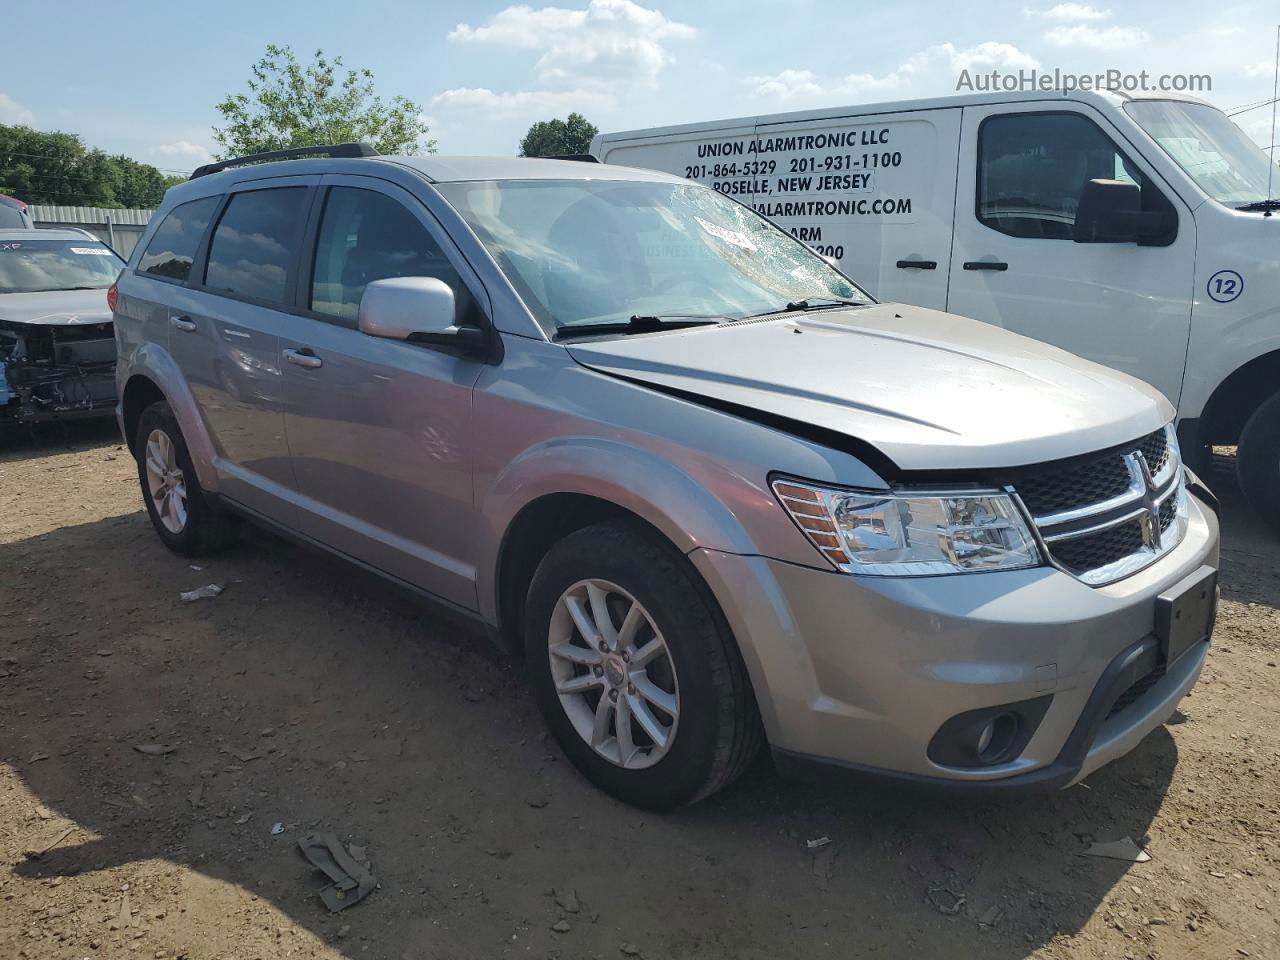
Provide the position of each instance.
(810, 303)
(1257, 205)
(639, 324)
(80, 287)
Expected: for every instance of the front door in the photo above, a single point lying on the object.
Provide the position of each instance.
(379, 429)
(1016, 264)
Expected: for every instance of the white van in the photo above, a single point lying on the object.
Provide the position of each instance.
(1135, 231)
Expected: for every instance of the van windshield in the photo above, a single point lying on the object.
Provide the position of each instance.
(586, 252)
(1214, 152)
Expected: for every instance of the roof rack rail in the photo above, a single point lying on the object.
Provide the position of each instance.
(293, 153)
(579, 157)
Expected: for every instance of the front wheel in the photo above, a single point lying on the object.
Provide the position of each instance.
(1258, 461)
(635, 670)
(181, 512)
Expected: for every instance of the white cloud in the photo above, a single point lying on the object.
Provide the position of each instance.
(1096, 38)
(805, 85)
(519, 101)
(608, 42)
(1263, 68)
(186, 150)
(786, 85)
(1069, 13)
(12, 112)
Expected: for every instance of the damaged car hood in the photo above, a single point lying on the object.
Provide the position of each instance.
(929, 390)
(56, 307)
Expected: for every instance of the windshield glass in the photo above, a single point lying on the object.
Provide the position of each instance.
(1214, 152)
(30, 266)
(601, 251)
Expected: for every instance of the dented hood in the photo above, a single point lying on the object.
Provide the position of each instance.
(56, 307)
(929, 390)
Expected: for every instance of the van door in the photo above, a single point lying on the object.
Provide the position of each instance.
(224, 336)
(379, 429)
(1016, 260)
(875, 193)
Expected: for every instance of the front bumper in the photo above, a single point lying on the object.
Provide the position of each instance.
(863, 671)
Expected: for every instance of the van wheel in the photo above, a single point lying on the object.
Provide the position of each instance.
(1258, 461)
(180, 511)
(635, 670)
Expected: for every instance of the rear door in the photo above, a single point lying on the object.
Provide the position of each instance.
(379, 429)
(1015, 263)
(225, 337)
(875, 193)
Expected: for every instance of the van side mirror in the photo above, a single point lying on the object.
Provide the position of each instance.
(418, 310)
(1110, 211)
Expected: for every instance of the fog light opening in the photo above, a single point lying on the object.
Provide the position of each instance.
(996, 736)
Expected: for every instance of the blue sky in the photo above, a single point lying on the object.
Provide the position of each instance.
(142, 78)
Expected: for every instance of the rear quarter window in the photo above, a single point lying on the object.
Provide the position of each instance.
(173, 247)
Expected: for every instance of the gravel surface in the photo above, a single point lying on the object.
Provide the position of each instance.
(312, 695)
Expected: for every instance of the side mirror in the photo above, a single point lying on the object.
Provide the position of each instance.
(418, 310)
(1110, 211)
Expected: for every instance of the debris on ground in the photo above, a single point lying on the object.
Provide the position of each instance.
(991, 916)
(154, 749)
(1122, 849)
(199, 593)
(561, 926)
(278, 828)
(629, 949)
(945, 899)
(567, 900)
(820, 842)
(537, 802)
(352, 882)
(37, 854)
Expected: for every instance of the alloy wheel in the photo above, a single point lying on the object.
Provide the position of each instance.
(165, 482)
(614, 674)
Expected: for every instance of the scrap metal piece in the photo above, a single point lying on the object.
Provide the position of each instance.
(352, 882)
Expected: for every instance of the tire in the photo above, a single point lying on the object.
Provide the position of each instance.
(1258, 461)
(715, 731)
(201, 527)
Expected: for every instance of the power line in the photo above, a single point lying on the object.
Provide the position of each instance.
(1249, 107)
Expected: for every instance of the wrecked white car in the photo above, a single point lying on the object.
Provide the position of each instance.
(57, 345)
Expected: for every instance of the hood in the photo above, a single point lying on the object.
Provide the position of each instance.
(929, 390)
(56, 307)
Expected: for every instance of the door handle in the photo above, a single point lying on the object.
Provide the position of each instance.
(985, 265)
(303, 358)
(185, 324)
(917, 265)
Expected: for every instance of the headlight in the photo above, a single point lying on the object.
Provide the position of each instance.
(909, 534)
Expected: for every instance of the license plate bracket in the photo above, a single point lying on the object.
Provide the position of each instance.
(1185, 613)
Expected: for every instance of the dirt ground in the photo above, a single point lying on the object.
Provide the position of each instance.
(312, 695)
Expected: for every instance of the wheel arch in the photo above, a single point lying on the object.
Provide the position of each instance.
(1235, 399)
(154, 375)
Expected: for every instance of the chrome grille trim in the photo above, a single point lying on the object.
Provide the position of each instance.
(1140, 504)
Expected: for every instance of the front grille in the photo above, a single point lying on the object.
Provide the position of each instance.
(1091, 480)
(1082, 554)
(1103, 516)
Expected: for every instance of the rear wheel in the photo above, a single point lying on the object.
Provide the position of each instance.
(181, 512)
(635, 669)
(1258, 461)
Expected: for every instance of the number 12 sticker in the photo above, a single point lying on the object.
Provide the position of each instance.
(1224, 286)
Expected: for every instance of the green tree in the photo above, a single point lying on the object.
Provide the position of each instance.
(557, 138)
(52, 167)
(294, 105)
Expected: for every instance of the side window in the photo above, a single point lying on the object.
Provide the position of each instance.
(1032, 168)
(365, 236)
(173, 247)
(253, 244)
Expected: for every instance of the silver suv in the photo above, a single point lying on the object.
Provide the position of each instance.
(715, 492)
